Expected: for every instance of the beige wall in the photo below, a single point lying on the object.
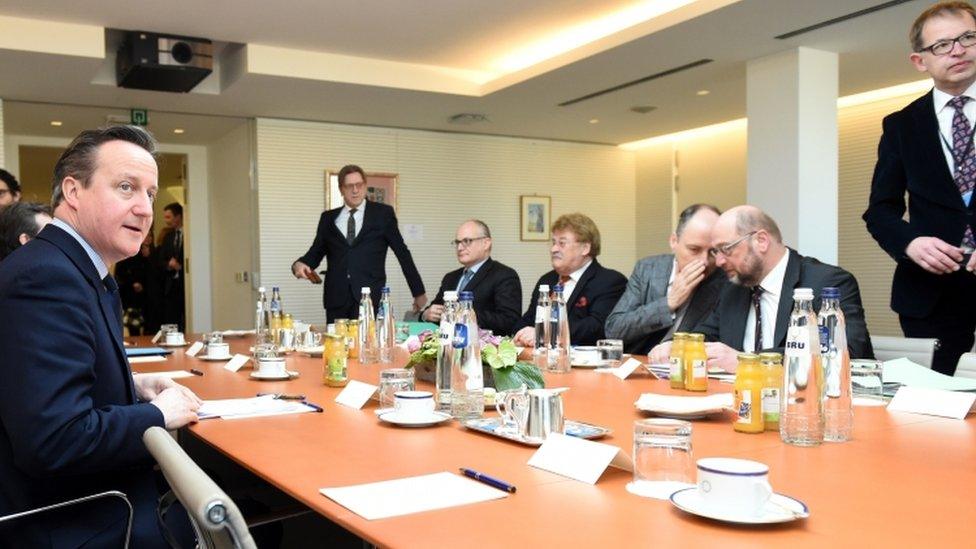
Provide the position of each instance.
(36, 166)
(711, 169)
(444, 179)
(654, 199)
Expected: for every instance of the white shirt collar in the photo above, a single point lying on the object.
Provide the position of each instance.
(674, 271)
(575, 275)
(95, 258)
(474, 268)
(941, 99)
(773, 282)
(362, 206)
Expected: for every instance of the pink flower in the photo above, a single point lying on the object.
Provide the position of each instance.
(413, 343)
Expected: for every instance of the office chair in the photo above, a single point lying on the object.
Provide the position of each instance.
(78, 501)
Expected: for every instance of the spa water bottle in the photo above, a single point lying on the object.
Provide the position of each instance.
(801, 420)
(559, 339)
(386, 326)
(838, 408)
(445, 352)
(467, 381)
(368, 345)
(543, 338)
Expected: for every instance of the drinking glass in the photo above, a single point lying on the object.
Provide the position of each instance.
(611, 351)
(402, 331)
(867, 387)
(663, 462)
(393, 380)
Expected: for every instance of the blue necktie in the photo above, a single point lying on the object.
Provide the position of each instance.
(465, 278)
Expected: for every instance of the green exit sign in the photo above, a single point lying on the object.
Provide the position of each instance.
(139, 117)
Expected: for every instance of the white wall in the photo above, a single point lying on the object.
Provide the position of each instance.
(444, 179)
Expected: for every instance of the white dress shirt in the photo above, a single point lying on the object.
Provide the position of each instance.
(343, 219)
(944, 113)
(772, 287)
(474, 270)
(574, 277)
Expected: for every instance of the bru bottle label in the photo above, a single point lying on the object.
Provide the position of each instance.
(460, 336)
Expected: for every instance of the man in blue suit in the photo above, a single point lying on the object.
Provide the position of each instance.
(354, 240)
(72, 414)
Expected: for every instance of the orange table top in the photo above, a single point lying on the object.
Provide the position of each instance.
(904, 480)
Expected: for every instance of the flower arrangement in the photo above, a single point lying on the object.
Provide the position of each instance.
(499, 358)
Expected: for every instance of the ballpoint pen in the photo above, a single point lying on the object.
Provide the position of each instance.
(196, 372)
(283, 396)
(490, 481)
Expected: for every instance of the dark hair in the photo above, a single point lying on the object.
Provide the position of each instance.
(10, 180)
(175, 208)
(17, 219)
(348, 169)
(78, 160)
(939, 8)
(690, 212)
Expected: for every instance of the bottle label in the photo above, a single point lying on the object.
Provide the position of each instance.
(744, 406)
(541, 313)
(699, 368)
(460, 336)
(770, 403)
(676, 372)
(444, 334)
(824, 339)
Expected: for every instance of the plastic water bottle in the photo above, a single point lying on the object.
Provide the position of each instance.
(386, 325)
(467, 381)
(262, 327)
(445, 352)
(559, 349)
(369, 350)
(801, 420)
(838, 408)
(543, 338)
(275, 305)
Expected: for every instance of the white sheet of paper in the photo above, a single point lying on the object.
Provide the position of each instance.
(356, 394)
(906, 372)
(628, 367)
(172, 374)
(142, 359)
(194, 349)
(237, 363)
(156, 337)
(393, 498)
(576, 458)
(932, 402)
(238, 408)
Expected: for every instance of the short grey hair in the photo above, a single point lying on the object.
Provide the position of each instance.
(754, 219)
(690, 212)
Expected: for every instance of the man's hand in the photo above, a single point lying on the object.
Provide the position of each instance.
(173, 264)
(971, 264)
(434, 313)
(525, 337)
(723, 356)
(301, 270)
(149, 386)
(660, 354)
(935, 255)
(137, 287)
(685, 282)
(419, 302)
(179, 406)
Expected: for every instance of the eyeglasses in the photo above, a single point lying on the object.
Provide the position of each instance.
(726, 249)
(465, 242)
(942, 47)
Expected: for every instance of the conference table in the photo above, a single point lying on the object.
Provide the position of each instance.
(904, 479)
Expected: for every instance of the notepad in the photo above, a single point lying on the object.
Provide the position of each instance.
(906, 372)
(146, 351)
(238, 408)
(404, 496)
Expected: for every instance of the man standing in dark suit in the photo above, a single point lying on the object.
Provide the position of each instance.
(496, 287)
(590, 289)
(927, 151)
(673, 292)
(753, 312)
(72, 415)
(171, 263)
(354, 240)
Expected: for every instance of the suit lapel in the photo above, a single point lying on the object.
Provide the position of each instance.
(589, 273)
(785, 308)
(736, 314)
(478, 276)
(369, 218)
(703, 294)
(929, 141)
(331, 217)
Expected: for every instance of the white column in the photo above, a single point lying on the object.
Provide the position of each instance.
(3, 145)
(791, 103)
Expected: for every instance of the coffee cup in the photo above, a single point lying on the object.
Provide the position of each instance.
(218, 350)
(414, 403)
(271, 367)
(739, 486)
(174, 338)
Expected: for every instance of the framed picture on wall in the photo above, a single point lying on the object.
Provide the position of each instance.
(535, 218)
(380, 187)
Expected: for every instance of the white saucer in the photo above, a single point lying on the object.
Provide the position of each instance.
(657, 490)
(779, 509)
(311, 351)
(414, 420)
(215, 358)
(270, 377)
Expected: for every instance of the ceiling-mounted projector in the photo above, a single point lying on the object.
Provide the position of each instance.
(162, 62)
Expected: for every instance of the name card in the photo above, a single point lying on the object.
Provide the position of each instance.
(356, 394)
(932, 402)
(156, 337)
(194, 349)
(627, 368)
(236, 363)
(578, 458)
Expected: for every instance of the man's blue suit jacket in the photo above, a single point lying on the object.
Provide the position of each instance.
(70, 423)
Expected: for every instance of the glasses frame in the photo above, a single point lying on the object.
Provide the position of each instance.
(970, 35)
(465, 242)
(726, 249)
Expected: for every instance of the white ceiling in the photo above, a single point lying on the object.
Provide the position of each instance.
(471, 35)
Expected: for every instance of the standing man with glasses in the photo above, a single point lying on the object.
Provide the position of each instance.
(354, 239)
(497, 288)
(927, 151)
(753, 312)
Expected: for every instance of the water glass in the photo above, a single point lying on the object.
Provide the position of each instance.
(402, 331)
(393, 380)
(265, 351)
(867, 387)
(611, 351)
(663, 462)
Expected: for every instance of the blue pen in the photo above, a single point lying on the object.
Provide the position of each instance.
(315, 407)
(490, 481)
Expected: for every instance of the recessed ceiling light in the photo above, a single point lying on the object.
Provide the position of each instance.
(702, 92)
(56, 123)
(594, 121)
(178, 130)
(642, 109)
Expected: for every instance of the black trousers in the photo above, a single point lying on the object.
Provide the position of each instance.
(952, 321)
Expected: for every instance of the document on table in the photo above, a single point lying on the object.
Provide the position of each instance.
(141, 359)
(404, 496)
(239, 408)
(172, 374)
(906, 372)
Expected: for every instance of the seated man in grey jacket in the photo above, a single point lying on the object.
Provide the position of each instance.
(673, 292)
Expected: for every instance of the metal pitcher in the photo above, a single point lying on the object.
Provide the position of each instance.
(545, 413)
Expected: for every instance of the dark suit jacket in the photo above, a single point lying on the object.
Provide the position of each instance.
(910, 159)
(593, 298)
(350, 268)
(70, 424)
(642, 318)
(727, 323)
(173, 283)
(497, 295)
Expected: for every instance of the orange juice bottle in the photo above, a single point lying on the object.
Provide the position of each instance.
(695, 363)
(772, 370)
(748, 395)
(676, 373)
(334, 360)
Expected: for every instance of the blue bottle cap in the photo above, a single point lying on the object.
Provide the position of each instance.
(466, 296)
(557, 288)
(830, 293)
(386, 289)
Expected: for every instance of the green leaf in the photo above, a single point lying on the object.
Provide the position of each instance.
(507, 352)
(521, 373)
(489, 355)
